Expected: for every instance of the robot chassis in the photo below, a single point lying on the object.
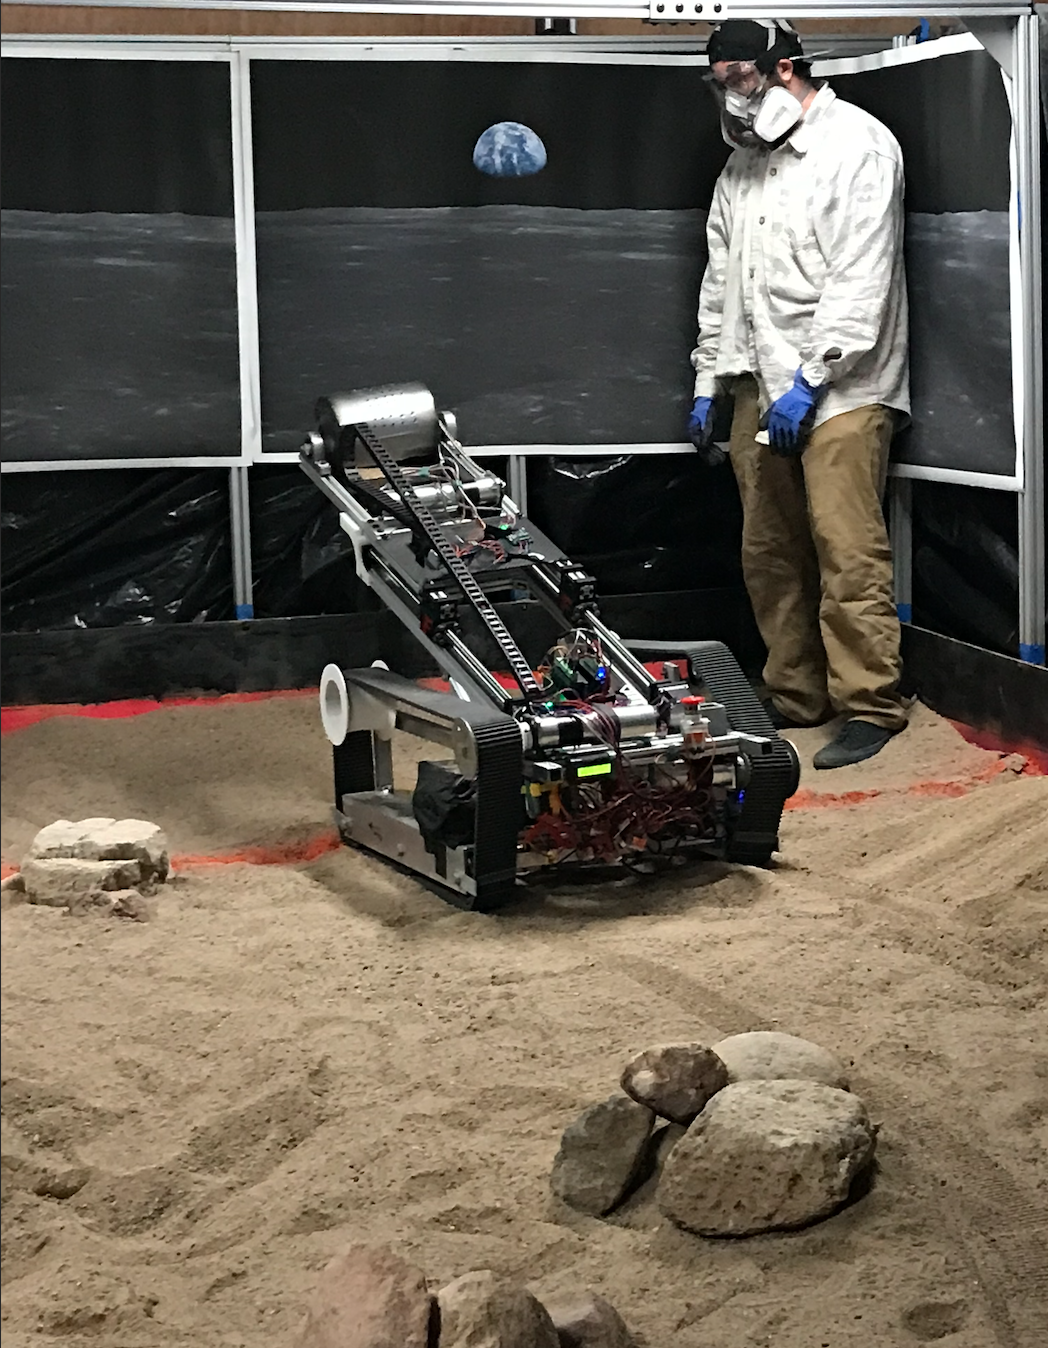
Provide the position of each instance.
(591, 761)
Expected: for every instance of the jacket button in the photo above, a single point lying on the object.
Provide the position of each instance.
(773, 172)
(761, 220)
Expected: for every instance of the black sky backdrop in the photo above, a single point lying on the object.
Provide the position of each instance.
(357, 133)
(141, 136)
(391, 133)
(120, 136)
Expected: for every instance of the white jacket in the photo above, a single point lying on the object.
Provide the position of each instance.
(806, 265)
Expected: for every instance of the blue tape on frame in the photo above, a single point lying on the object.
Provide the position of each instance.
(245, 611)
(905, 612)
(1031, 653)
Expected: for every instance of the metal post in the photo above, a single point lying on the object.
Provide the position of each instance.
(240, 529)
(900, 507)
(1031, 499)
(247, 278)
(517, 472)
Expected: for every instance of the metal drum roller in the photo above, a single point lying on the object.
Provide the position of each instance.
(403, 416)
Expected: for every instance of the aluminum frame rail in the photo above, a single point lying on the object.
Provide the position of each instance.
(654, 11)
(1026, 84)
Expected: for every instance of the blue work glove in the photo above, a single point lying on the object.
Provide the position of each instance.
(790, 418)
(700, 432)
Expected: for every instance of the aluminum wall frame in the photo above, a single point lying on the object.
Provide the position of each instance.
(656, 11)
(1013, 24)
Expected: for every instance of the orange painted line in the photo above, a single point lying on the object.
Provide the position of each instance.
(1035, 754)
(815, 800)
(804, 799)
(280, 854)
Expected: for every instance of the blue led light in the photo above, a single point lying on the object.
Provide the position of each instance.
(742, 796)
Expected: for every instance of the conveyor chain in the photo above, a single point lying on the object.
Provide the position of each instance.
(459, 572)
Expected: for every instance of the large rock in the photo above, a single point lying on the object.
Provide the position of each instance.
(105, 839)
(589, 1321)
(675, 1080)
(368, 1298)
(601, 1153)
(766, 1156)
(58, 882)
(483, 1310)
(767, 1055)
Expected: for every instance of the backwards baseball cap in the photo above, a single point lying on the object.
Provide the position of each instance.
(762, 41)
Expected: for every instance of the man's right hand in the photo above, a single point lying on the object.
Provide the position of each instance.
(700, 433)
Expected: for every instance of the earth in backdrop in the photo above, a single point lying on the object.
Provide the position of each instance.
(509, 150)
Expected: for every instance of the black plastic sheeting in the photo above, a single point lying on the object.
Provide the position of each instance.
(109, 548)
(641, 524)
(966, 564)
(302, 561)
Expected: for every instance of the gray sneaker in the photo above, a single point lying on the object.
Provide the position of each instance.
(856, 741)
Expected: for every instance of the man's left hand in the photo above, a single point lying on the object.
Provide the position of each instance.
(791, 417)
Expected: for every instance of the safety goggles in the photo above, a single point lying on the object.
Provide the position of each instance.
(739, 76)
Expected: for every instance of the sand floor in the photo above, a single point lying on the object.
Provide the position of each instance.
(290, 1058)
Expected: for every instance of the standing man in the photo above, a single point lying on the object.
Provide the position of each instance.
(802, 319)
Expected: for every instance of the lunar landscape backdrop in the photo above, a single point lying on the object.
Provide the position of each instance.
(548, 325)
(535, 324)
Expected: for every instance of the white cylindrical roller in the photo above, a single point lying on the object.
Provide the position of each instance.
(334, 704)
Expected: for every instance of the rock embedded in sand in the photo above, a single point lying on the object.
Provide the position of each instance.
(368, 1297)
(766, 1156)
(675, 1080)
(483, 1310)
(105, 839)
(601, 1153)
(589, 1321)
(56, 882)
(767, 1055)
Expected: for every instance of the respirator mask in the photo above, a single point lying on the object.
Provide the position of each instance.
(755, 112)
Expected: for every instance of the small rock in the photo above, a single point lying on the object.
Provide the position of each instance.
(675, 1080)
(482, 1310)
(767, 1055)
(12, 889)
(589, 1322)
(19, 1173)
(766, 1156)
(61, 1184)
(105, 839)
(56, 881)
(131, 904)
(368, 1298)
(601, 1153)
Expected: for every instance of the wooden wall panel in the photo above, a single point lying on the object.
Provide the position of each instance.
(119, 19)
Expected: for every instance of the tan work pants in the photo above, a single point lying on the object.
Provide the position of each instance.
(818, 565)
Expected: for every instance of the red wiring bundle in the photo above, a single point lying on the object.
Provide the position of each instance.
(618, 818)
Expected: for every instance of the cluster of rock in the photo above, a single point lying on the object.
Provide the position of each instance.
(369, 1297)
(760, 1132)
(111, 865)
